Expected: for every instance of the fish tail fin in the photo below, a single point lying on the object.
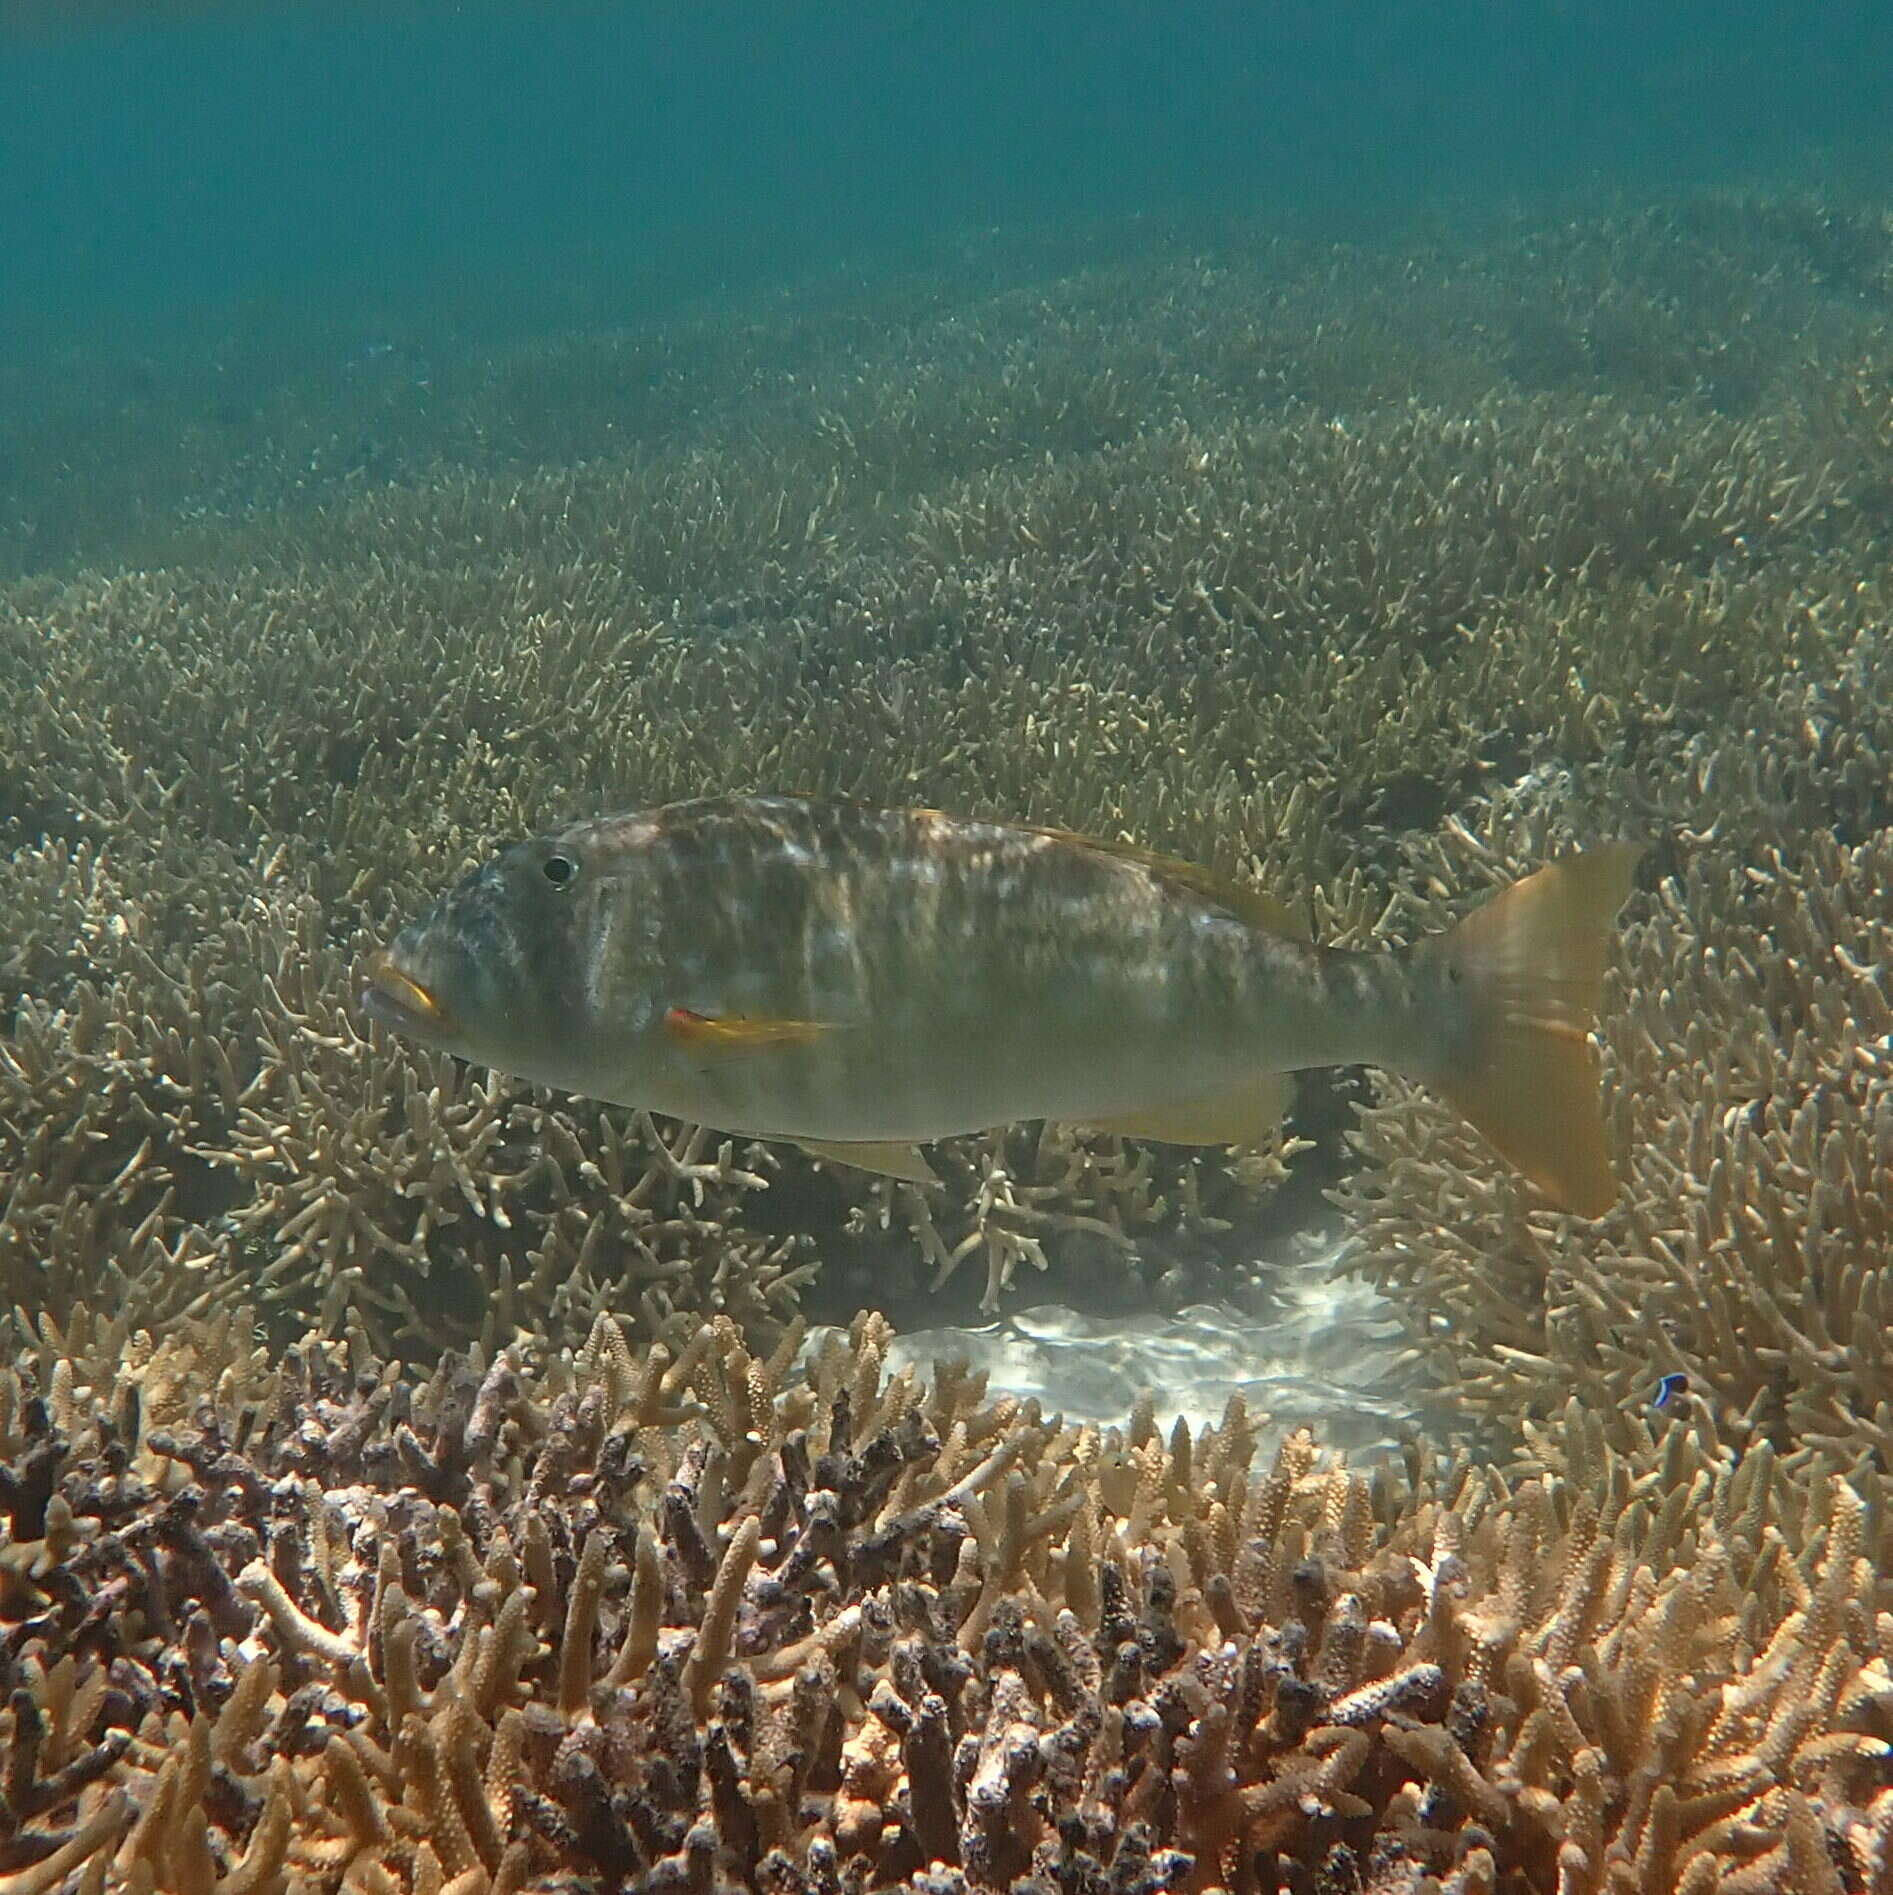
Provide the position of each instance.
(1522, 1070)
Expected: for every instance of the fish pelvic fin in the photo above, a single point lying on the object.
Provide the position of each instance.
(1250, 1115)
(1524, 1073)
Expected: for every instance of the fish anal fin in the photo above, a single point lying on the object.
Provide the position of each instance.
(1250, 1115)
(1532, 962)
(739, 1033)
(884, 1158)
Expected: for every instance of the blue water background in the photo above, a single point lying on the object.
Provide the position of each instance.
(510, 167)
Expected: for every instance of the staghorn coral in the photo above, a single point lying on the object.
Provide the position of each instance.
(1749, 1045)
(1295, 559)
(116, 1085)
(377, 1184)
(189, 1113)
(1086, 1194)
(1309, 697)
(712, 1622)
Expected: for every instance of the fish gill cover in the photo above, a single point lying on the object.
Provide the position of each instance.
(412, 1480)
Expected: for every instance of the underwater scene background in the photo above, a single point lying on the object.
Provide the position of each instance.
(1364, 450)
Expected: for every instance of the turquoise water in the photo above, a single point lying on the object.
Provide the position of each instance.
(485, 165)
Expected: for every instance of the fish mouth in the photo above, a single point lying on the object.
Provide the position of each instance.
(399, 1001)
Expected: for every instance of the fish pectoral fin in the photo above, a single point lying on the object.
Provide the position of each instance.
(1250, 1115)
(739, 1032)
(885, 1158)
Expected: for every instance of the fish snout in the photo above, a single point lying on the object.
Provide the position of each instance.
(396, 998)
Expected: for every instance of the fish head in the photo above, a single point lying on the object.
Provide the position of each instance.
(492, 972)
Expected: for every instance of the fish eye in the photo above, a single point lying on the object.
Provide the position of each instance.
(560, 869)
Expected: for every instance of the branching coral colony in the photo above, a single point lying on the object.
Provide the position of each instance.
(715, 1623)
(1378, 577)
(1267, 603)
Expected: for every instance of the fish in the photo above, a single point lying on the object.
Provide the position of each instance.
(861, 981)
(1670, 1390)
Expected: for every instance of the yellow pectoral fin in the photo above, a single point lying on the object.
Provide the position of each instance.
(885, 1160)
(1251, 1115)
(739, 1033)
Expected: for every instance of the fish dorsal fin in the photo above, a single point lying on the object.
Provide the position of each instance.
(1249, 1115)
(1246, 902)
(1253, 905)
(883, 1158)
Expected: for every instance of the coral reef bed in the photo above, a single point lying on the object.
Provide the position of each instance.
(413, 1480)
(1375, 573)
(708, 1625)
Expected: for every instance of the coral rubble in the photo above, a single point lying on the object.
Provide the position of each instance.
(713, 1623)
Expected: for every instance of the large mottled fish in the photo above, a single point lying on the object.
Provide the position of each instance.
(858, 980)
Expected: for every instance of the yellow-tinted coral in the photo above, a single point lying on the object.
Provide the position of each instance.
(879, 1632)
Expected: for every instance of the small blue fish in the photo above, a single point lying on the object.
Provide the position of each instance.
(1670, 1389)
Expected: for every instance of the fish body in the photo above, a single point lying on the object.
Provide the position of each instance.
(842, 975)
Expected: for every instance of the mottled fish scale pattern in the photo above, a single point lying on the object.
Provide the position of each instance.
(957, 965)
